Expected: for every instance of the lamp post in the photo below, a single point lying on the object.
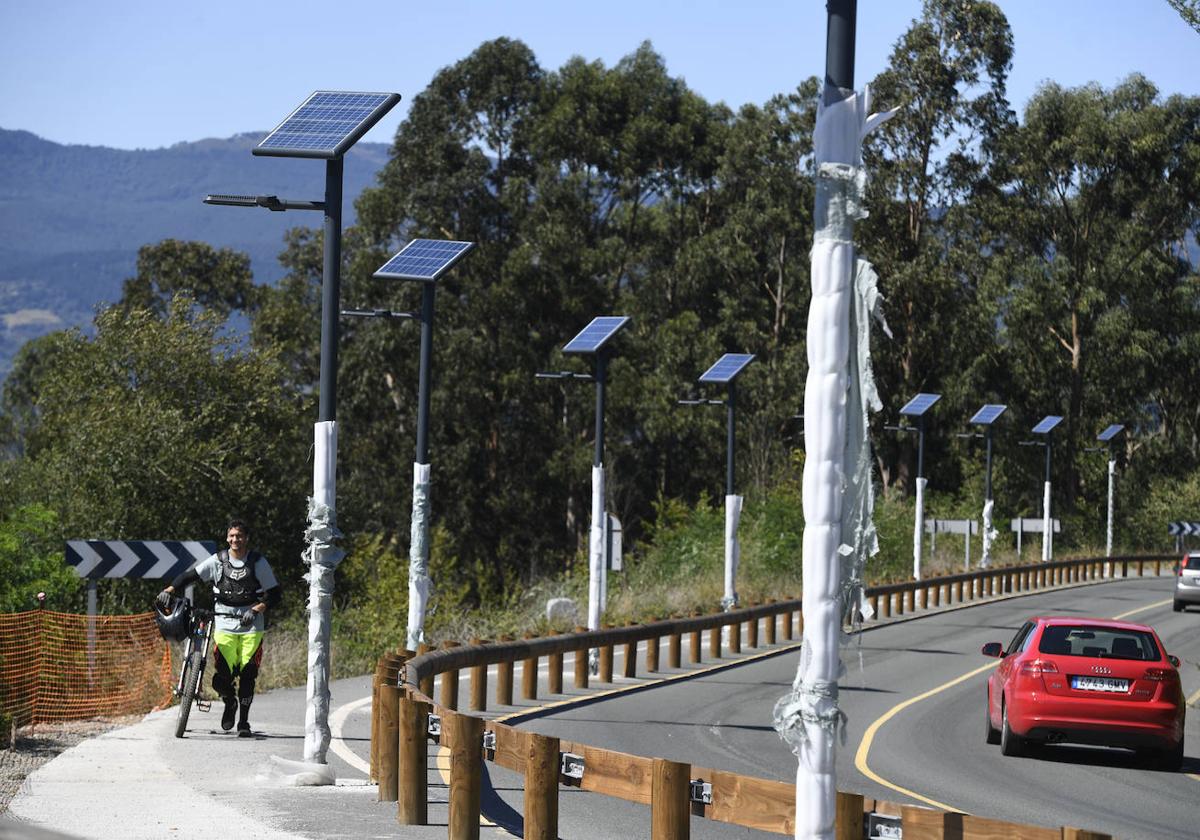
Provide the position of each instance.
(1109, 436)
(424, 261)
(918, 407)
(724, 371)
(594, 340)
(986, 417)
(323, 127)
(1046, 427)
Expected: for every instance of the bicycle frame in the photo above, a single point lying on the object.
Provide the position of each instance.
(203, 622)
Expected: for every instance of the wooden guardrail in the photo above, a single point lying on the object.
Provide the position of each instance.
(405, 718)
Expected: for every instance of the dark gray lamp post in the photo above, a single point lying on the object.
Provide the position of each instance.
(594, 340)
(425, 261)
(723, 372)
(323, 127)
(986, 417)
(1046, 427)
(918, 407)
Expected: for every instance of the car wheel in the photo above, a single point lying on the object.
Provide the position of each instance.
(993, 734)
(1010, 742)
(1171, 759)
(1177, 606)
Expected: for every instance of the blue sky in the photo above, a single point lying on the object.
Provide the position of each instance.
(149, 73)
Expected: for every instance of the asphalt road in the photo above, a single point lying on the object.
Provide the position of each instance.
(913, 693)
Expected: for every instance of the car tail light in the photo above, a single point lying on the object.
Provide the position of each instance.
(1037, 667)
(1159, 674)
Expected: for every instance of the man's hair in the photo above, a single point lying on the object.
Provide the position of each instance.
(240, 524)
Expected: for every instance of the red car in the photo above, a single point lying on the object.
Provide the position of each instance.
(1087, 681)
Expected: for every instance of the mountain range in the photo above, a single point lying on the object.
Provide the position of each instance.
(73, 217)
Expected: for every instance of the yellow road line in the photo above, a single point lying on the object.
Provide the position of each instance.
(1141, 609)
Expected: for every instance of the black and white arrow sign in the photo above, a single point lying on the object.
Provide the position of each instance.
(1183, 529)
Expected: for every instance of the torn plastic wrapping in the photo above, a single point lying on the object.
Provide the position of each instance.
(918, 528)
(323, 556)
(1047, 526)
(283, 772)
(596, 568)
(733, 550)
(419, 583)
(989, 533)
(1108, 528)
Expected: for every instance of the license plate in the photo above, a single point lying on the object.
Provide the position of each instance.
(1099, 684)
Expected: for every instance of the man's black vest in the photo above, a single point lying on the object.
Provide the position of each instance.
(237, 587)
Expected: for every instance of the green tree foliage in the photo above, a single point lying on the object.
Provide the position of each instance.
(218, 280)
(31, 561)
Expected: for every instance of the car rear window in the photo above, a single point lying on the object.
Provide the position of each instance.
(1192, 562)
(1100, 642)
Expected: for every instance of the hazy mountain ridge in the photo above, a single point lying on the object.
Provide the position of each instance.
(73, 217)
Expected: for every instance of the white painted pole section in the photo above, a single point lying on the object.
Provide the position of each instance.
(988, 534)
(1108, 532)
(918, 532)
(596, 551)
(323, 557)
(419, 583)
(733, 551)
(1047, 530)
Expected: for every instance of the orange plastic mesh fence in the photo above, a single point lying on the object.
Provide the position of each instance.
(61, 666)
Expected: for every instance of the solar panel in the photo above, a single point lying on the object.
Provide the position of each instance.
(1111, 432)
(1047, 425)
(726, 368)
(919, 404)
(595, 334)
(988, 415)
(424, 259)
(326, 124)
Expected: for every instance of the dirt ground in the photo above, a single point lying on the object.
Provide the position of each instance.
(35, 745)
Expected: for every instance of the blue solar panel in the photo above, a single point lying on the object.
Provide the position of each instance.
(1047, 425)
(424, 259)
(988, 415)
(1110, 433)
(595, 334)
(327, 124)
(726, 367)
(919, 404)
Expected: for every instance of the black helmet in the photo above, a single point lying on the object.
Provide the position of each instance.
(175, 625)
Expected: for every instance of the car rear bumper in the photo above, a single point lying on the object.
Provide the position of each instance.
(1187, 594)
(1154, 724)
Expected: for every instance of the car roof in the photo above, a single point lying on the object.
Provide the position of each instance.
(1096, 622)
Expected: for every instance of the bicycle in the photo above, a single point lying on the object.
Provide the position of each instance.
(195, 628)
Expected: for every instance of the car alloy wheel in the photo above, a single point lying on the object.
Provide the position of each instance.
(1010, 742)
(993, 734)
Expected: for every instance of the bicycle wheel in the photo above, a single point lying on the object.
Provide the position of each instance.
(193, 670)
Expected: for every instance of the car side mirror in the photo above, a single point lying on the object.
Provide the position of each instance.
(993, 649)
(1174, 660)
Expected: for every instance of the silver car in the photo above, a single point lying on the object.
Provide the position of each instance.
(1187, 584)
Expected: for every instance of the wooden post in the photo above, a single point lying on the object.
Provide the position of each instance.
(450, 681)
(606, 660)
(875, 605)
(670, 811)
(714, 642)
(479, 683)
(376, 681)
(555, 676)
(849, 818)
(412, 803)
(1083, 834)
(631, 658)
(770, 622)
(504, 679)
(694, 653)
(529, 674)
(674, 649)
(652, 655)
(788, 621)
(426, 684)
(581, 663)
(735, 636)
(466, 774)
(541, 787)
(752, 632)
(389, 699)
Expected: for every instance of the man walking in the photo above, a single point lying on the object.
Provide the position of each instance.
(244, 586)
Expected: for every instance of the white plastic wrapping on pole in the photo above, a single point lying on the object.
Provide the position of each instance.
(838, 389)
(733, 550)
(1047, 531)
(989, 534)
(596, 551)
(419, 584)
(918, 531)
(323, 555)
(1108, 531)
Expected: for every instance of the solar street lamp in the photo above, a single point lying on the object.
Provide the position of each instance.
(424, 261)
(1109, 436)
(724, 371)
(917, 408)
(593, 341)
(986, 417)
(323, 127)
(1046, 427)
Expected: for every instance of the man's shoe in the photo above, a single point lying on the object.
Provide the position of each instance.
(244, 729)
(231, 707)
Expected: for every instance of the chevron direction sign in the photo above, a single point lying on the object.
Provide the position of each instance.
(1184, 529)
(95, 559)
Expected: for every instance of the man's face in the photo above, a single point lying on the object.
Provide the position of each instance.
(237, 540)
